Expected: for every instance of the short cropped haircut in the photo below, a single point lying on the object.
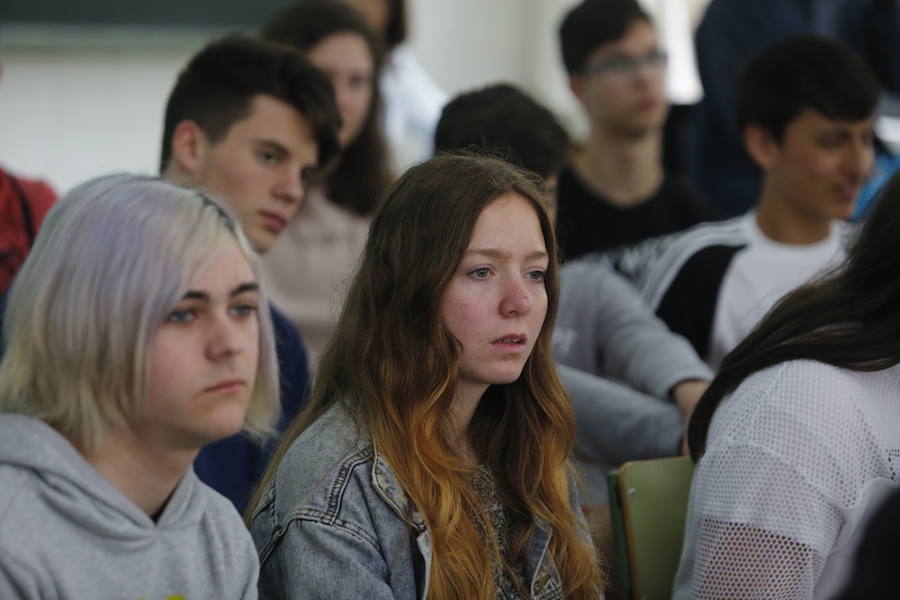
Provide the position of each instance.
(805, 72)
(216, 88)
(112, 259)
(502, 121)
(594, 23)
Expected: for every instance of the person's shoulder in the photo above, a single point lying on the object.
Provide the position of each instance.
(823, 401)
(331, 476)
(14, 489)
(40, 195)
(321, 460)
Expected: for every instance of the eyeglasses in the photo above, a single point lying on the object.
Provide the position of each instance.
(626, 65)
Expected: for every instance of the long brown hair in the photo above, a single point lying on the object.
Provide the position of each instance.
(394, 364)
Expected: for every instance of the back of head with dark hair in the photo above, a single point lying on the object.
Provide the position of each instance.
(594, 23)
(362, 173)
(217, 87)
(805, 72)
(500, 120)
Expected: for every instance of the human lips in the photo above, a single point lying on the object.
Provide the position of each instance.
(273, 221)
(847, 191)
(514, 343)
(226, 386)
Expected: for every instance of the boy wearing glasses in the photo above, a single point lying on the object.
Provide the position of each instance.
(614, 190)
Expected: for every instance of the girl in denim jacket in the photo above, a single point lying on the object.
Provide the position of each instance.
(433, 459)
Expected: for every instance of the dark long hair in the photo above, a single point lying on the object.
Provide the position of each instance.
(361, 173)
(849, 318)
(394, 365)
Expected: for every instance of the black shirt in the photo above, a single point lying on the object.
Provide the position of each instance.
(588, 222)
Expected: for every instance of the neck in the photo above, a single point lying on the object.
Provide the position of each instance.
(625, 169)
(145, 476)
(465, 403)
(175, 174)
(783, 222)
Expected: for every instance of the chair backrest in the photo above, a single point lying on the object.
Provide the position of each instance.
(650, 497)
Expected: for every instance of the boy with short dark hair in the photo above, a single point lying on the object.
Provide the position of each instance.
(509, 124)
(614, 190)
(806, 108)
(249, 120)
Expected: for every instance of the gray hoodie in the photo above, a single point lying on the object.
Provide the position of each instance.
(67, 534)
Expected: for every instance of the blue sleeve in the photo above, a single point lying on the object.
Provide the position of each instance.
(293, 367)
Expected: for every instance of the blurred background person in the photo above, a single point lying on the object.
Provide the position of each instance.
(615, 190)
(734, 30)
(23, 205)
(412, 100)
(310, 265)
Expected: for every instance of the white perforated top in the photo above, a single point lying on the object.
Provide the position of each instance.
(798, 458)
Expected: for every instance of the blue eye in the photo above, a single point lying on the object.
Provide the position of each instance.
(243, 310)
(181, 317)
(480, 273)
(536, 275)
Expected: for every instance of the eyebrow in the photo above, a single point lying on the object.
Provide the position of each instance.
(249, 286)
(501, 254)
(277, 146)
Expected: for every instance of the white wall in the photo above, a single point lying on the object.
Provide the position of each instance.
(75, 105)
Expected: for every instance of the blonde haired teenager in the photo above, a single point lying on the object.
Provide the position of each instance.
(134, 338)
(433, 460)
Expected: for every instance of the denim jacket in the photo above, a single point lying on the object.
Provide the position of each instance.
(334, 523)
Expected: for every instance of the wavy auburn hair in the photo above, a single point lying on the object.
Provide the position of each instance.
(394, 364)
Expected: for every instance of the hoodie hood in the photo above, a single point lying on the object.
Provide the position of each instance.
(67, 533)
(67, 484)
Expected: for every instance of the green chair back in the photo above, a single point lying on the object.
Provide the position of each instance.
(648, 504)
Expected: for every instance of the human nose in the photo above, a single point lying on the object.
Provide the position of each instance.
(224, 339)
(289, 186)
(860, 160)
(517, 300)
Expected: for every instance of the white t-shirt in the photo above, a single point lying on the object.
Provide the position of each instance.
(412, 106)
(798, 459)
(758, 276)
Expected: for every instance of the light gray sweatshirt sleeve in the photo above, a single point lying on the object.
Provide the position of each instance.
(615, 424)
(605, 328)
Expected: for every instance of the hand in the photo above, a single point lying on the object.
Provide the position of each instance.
(687, 394)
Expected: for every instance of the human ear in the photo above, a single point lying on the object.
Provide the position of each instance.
(189, 147)
(761, 146)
